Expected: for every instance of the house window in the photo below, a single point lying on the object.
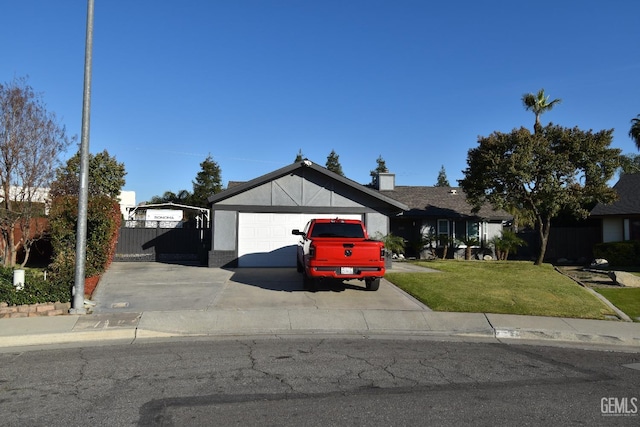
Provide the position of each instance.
(473, 230)
(443, 231)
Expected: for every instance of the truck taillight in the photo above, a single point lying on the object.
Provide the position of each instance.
(312, 251)
(382, 252)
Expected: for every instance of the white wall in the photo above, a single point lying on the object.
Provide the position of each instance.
(612, 230)
(127, 201)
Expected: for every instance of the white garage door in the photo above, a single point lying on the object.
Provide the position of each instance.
(265, 239)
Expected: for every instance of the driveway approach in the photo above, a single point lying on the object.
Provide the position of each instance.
(149, 286)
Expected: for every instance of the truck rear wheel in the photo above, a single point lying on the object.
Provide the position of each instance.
(373, 284)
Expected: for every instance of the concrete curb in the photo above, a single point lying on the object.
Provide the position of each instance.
(131, 327)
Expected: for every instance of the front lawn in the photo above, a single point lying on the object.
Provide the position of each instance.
(506, 287)
(626, 299)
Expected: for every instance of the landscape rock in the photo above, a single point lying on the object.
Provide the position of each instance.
(600, 262)
(623, 278)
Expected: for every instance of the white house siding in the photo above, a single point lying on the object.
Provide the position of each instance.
(491, 230)
(612, 230)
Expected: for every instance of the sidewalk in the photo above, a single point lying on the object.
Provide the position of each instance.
(132, 327)
(138, 301)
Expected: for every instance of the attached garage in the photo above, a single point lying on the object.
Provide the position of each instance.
(265, 239)
(252, 221)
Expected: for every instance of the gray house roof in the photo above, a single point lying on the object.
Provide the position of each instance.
(441, 202)
(628, 203)
(422, 201)
(239, 187)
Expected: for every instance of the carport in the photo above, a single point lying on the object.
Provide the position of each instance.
(252, 221)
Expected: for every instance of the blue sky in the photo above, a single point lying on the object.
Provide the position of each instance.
(251, 82)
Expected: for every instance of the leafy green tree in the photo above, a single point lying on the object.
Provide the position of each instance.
(106, 179)
(106, 176)
(629, 163)
(634, 132)
(208, 182)
(539, 104)
(551, 171)
(380, 168)
(183, 197)
(333, 163)
(442, 178)
(299, 156)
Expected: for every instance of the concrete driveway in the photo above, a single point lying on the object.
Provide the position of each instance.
(150, 286)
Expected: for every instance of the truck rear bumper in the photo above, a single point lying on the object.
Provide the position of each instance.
(331, 272)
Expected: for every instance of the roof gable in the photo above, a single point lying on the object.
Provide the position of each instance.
(302, 184)
(628, 203)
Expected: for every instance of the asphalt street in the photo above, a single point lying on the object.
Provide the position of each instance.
(315, 380)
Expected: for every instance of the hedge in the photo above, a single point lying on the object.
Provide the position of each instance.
(619, 254)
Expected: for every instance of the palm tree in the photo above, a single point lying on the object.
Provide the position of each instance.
(539, 104)
(634, 132)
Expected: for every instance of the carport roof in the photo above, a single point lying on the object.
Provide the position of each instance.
(238, 188)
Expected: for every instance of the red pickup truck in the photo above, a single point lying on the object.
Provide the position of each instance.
(339, 249)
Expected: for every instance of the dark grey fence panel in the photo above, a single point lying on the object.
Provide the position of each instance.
(574, 244)
(178, 245)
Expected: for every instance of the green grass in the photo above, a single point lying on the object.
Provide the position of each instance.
(626, 299)
(506, 287)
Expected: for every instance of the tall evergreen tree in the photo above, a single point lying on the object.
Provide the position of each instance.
(442, 178)
(208, 182)
(381, 168)
(333, 163)
(299, 156)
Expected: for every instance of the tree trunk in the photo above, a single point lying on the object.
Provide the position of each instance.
(27, 252)
(11, 245)
(544, 229)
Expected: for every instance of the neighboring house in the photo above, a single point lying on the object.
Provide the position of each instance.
(251, 222)
(439, 212)
(621, 219)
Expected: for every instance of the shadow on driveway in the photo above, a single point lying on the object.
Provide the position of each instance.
(289, 280)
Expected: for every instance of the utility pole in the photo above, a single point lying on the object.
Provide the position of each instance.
(81, 230)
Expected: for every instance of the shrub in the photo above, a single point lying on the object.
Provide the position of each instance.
(392, 243)
(103, 222)
(507, 242)
(619, 253)
(36, 289)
